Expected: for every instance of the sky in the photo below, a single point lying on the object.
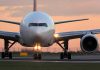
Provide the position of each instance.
(15, 10)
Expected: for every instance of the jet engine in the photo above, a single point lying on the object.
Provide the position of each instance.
(89, 43)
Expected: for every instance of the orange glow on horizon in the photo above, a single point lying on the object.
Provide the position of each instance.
(74, 45)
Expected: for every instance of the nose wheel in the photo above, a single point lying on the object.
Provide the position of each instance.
(37, 56)
(37, 52)
(64, 54)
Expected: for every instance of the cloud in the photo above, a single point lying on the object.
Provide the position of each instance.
(15, 2)
(71, 7)
(19, 8)
(16, 9)
(20, 11)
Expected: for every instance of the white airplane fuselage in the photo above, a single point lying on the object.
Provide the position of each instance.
(37, 27)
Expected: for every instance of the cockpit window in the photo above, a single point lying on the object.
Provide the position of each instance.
(33, 24)
(43, 24)
(38, 24)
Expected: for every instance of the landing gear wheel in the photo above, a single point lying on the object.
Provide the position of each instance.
(37, 56)
(6, 54)
(69, 56)
(61, 56)
(10, 55)
(2, 55)
(7, 46)
(65, 55)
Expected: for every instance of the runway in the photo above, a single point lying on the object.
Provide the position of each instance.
(55, 58)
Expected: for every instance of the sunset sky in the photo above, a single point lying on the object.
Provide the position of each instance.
(15, 10)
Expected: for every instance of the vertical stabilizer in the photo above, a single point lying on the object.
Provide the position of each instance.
(35, 5)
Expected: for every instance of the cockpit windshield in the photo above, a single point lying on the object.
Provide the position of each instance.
(38, 24)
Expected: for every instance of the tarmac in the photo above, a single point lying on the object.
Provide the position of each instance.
(55, 58)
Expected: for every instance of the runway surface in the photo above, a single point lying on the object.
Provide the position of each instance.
(55, 58)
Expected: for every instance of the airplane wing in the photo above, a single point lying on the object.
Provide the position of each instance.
(60, 22)
(13, 36)
(75, 34)
(12, 22)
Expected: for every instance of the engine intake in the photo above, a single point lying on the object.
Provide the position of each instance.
(89, 43)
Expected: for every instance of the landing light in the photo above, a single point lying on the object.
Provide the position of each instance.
(37, 47)
(56, 35)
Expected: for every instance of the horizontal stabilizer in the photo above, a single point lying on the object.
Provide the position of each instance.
(12, 22)
(60, 22)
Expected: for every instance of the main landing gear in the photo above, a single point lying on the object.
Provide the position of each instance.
(7, 46)
(65, 54)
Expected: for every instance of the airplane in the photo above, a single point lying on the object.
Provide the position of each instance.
(38, 29)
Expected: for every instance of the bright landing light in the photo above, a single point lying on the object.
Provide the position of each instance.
(37, 47)
(56, 35)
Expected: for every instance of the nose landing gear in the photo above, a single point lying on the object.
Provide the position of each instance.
(37, 54)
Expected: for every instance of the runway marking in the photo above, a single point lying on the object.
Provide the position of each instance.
(50, 59)
(53, 61)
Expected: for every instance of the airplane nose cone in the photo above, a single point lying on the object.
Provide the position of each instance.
(37, 36)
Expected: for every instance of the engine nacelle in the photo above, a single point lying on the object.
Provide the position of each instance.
(89, 43)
